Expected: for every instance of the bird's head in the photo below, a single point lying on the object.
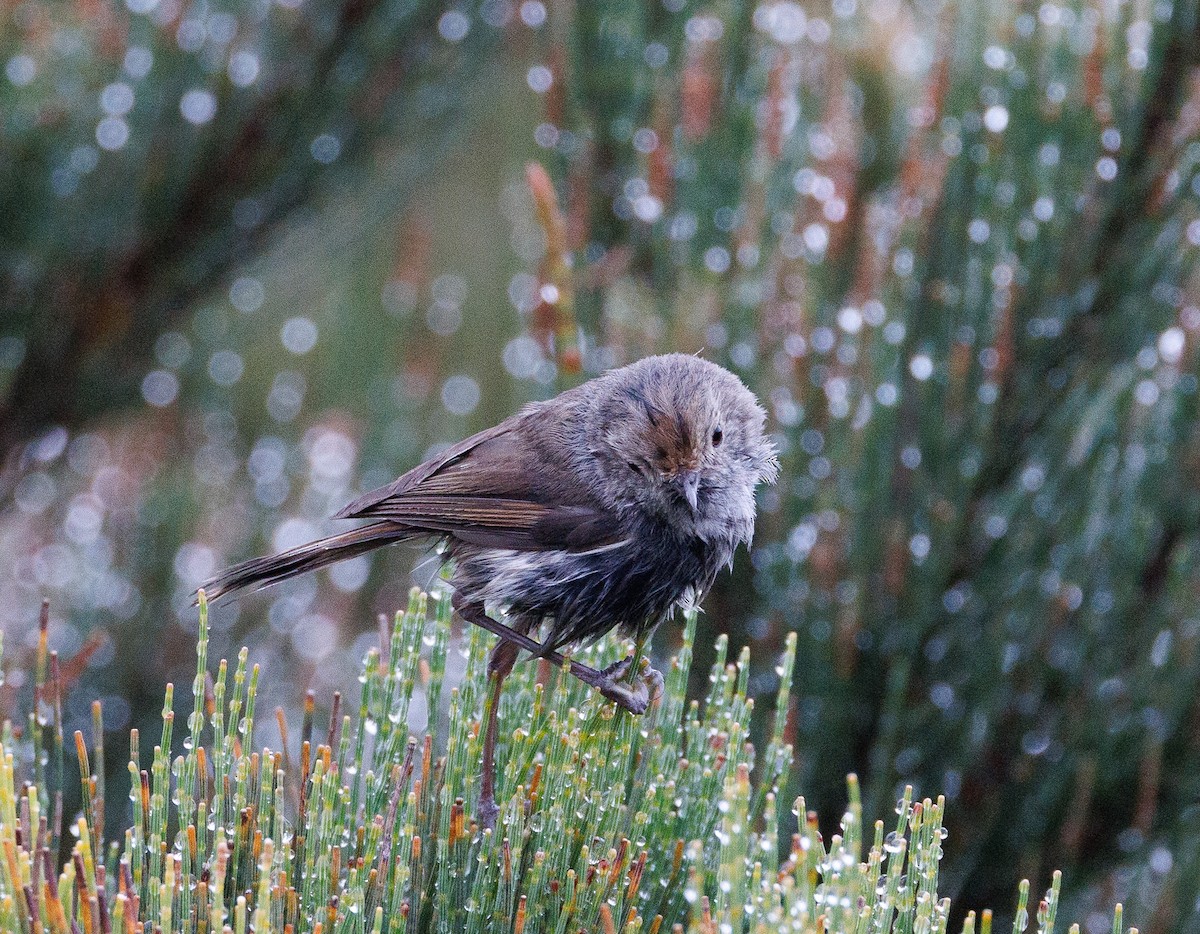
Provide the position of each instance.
(683, 438)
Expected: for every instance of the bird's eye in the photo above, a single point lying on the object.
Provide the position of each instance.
(717, 437)
(636, 468)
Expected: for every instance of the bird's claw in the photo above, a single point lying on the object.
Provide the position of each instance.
(617, 670)
(654, 681)
(635, 697)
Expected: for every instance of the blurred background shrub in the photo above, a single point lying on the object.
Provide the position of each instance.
(255, 261)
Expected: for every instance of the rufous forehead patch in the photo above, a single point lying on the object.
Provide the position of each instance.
(675, 442)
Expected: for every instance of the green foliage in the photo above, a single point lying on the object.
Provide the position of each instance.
(147, 147)
(608, 822)
(953, 246)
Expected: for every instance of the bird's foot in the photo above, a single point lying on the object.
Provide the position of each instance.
(635, 697)
(654, 681)
(619, 669)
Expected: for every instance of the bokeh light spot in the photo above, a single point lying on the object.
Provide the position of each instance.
(160, 387)
(299, 335)
(460, 394)
(198, 106)
(454, 26)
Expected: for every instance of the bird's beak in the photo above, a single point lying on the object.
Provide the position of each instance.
(687, 484)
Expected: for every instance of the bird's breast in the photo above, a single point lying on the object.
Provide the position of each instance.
(630, 583)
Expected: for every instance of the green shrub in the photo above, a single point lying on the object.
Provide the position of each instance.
(953, 247)
(608, 822)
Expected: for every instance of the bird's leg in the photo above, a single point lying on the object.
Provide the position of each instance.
(501, 660)
(475, 613)
(500, 664)
(633, 697)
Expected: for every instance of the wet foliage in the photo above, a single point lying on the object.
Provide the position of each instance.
(951, 246)
(372, 828)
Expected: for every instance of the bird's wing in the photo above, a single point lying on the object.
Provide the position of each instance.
(493, 490)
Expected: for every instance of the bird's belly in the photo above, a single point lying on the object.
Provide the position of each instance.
(586, 594)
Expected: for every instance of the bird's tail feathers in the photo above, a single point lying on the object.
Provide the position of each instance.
(271, 569)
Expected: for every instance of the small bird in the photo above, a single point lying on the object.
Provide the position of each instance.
(606, 507)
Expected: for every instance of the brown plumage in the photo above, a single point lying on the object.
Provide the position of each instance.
(605, 507)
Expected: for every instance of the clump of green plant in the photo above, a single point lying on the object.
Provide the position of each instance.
(963, 279)
(608, 822)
